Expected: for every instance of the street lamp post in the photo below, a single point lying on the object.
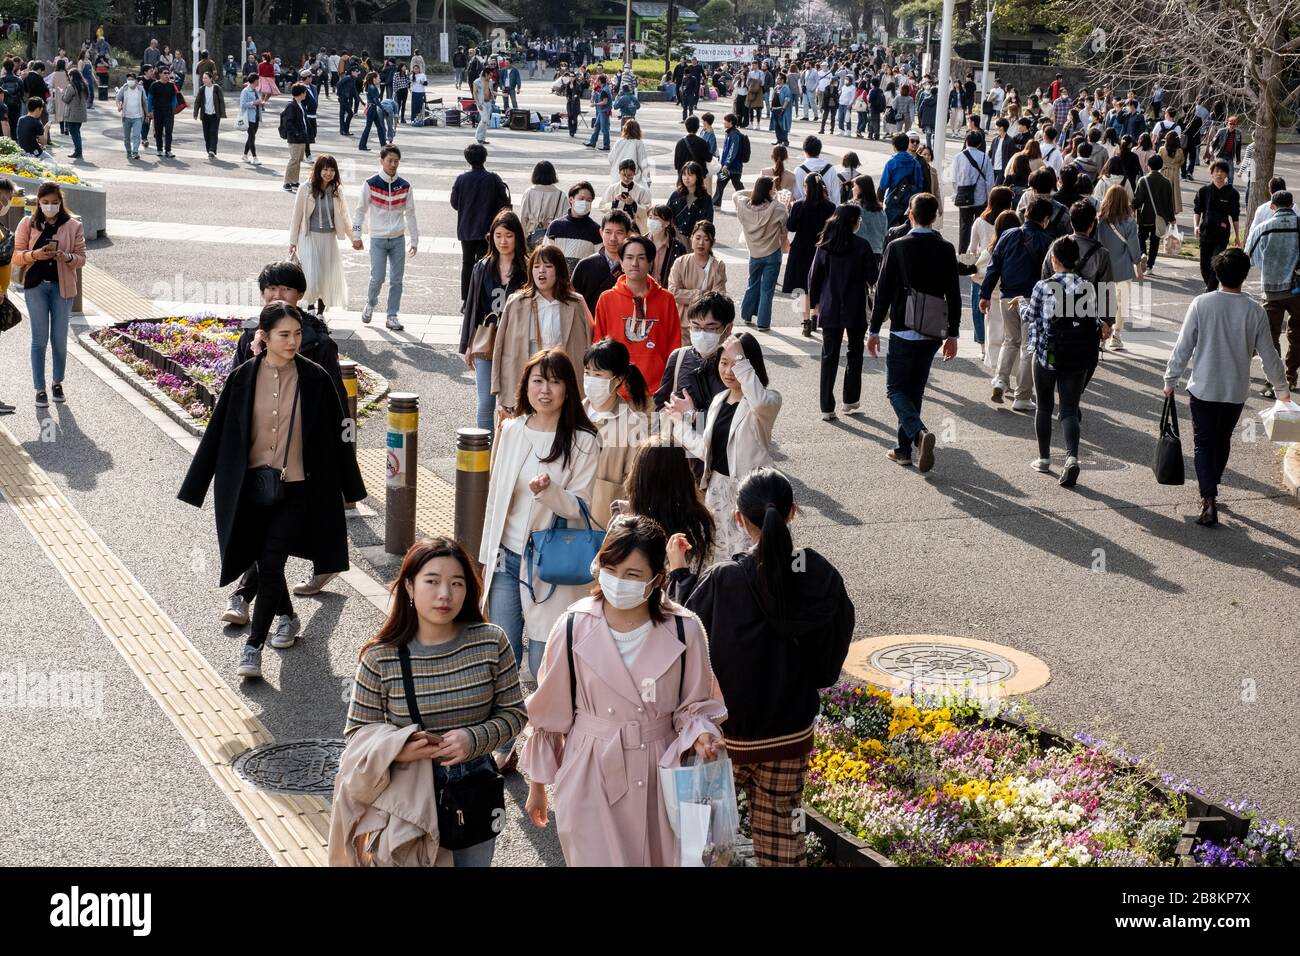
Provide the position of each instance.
(945, 81)
(988, 40)
(627, 36)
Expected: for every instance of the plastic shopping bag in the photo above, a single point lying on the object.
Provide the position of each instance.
(1172, 244)
(994, 334)
(700, 800)
(1282, 422)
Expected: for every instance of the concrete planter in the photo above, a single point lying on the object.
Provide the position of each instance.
(89, 202)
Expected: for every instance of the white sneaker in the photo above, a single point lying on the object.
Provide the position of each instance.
(1116, 344)
(237, 611)
(392, 323)
(250, 662)
(851, 407)
(828, 416)
(284, 631)
(313, 585)
(1024, 405)
(256, 161)
(1043, 465)
(367, 314)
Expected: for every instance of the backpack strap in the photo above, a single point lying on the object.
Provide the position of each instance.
(568, 652)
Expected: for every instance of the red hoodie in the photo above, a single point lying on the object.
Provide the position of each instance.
(650, 332)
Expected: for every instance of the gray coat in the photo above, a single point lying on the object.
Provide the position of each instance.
(75, 110)
(1121, 242)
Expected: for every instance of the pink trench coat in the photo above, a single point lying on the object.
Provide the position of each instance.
(604, 761)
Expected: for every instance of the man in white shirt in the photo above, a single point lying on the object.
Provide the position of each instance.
(132, 104)
(1052, 154)
(1167, 125)
(812, 147)
(972, 167)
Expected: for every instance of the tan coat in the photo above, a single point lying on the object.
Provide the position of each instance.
(515, 344)
(762, 226)
(621, 433)
(688, 281)
(304, 204)
(383, 812)
(1172, 171)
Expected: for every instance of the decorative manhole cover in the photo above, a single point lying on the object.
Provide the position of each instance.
(940, 664)
(297, 766)
(943, 664)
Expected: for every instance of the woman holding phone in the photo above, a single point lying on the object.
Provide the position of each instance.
(465, 678)
(51, 246)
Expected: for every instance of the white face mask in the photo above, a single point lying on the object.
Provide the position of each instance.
(654, 226)
(131, 83)
(706, 343)
(50, 209)
(597, 389)
(581, 207)
(621, 593)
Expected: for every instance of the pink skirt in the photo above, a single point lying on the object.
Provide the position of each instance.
(266, 84)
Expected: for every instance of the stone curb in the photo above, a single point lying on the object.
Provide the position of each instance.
(1291, 469)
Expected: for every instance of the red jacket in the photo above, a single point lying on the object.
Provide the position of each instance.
(651, 336)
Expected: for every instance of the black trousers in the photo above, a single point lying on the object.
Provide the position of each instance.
(726, 176)
(831, 339)
(573, 125)
(346, 112)
(162, 130)
(1048, 383)
(210, 126)
(281, 526)
(400, 97)
(1150, 242)
(471, 251)
(873, 125)
(1213, 425)
(250, 143)
(1212, 243)
(1192, 150)
(965, 220)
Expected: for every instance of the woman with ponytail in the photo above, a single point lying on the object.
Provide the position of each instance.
(779, 621)
(608, 372)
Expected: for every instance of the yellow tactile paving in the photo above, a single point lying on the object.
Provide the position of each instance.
(123, 304)
(435, 499)
(211, 719)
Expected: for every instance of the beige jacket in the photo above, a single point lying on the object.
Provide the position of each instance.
(621, 432)
(542, 204)
(515, 343)
(304, 204)
(763, 226)
(688, 281)
(384, 812)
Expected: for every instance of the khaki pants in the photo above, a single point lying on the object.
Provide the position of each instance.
(1013, 356)
(294, 166)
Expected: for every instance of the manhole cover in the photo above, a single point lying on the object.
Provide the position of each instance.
(937, 663)
(297, 766)
(943, 664)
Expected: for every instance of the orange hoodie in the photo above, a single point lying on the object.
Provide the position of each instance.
(650, 332)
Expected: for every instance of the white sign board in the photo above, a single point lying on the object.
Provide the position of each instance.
(725, 52)
(397, 46)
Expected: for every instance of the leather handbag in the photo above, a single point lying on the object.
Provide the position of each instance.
(471, 810)
(266, 484)
(1168, 464)
(562, 555)
(9, 315)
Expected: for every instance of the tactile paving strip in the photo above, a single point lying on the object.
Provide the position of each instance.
(210, 718)
(435, 499)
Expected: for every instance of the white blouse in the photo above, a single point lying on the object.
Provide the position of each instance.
(548, 323)
(630, 642)
(515, 534)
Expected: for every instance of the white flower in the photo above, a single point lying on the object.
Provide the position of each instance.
(849, 722)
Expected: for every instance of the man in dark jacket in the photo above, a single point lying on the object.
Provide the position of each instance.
(598, 272)
(691, 146)
(162, 111)
(920, 264)
(1018, 264)
(297, 132)
(875, 107)
(349, 100)
(1153, 197)
(693, 369)
(477, 195)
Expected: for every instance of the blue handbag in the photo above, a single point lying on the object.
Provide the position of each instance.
(563, 555)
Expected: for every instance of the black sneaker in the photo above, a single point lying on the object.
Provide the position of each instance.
(57, 391)
(42, 400)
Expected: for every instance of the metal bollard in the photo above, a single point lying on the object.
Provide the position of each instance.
(348, 372)
(399, 513)
(472, 461)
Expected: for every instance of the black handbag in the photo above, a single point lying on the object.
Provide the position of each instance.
(9, 315)
(1168, 464)
(266, 484)
(471, 810)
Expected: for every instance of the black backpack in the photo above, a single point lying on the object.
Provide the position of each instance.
(1076, 334)
(11, 85)
(284, 123)
(744, 148)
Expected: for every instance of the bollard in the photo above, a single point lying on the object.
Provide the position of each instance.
(472, 460)
(348, 372)
(399, 512)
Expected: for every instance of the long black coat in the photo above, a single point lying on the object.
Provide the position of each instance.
(329, 462)
(807, 220)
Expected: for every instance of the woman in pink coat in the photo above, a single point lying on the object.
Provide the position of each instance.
(625, 688)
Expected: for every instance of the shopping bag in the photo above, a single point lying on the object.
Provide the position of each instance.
(994, 334)
(1172, 243)
(700, 800)
(1168, 465)
(1282, 422)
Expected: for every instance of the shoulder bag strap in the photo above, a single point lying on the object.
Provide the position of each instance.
(681, 677)
(408, 684)
(677, 369)
(568, 650)
(293, 414)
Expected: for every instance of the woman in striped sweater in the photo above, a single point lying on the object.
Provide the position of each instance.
(466, 681)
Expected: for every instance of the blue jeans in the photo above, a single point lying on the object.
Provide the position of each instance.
(481, 853)
(600, 126)
(976, 316)
(74, 130)
(907, 369)
(387, 255)
(763, 272)
(505, 607)
(810, 104)
(487, 403)
(381, 126)
(49, 313)
(131, 134)
(843, 118)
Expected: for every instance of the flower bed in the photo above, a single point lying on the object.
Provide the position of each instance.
(188, 359)
(898, 781)
(15, 162)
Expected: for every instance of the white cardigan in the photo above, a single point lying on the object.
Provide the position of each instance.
(568, 484)
(749, 443)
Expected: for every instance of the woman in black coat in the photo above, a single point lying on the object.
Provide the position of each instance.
(807, 218)
(317, 477)
(844, 266)
(690, 201)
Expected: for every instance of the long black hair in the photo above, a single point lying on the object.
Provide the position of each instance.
(814, 191)
(611, 355)
(837, 235)
(754, 352)
(555, 364)
(765, 498)
(403, 620)
(510, 222)
(662, 486)
(762, 191)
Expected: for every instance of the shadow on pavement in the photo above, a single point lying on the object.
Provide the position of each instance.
(68, 451)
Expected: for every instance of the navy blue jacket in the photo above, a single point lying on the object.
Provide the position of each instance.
(477, 196)
(1017, 261)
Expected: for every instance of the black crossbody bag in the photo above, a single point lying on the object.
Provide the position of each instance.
(471, 810)
(266, 484)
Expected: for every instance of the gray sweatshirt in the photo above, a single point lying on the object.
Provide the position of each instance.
(1222, 332)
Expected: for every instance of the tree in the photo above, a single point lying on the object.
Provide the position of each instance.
(751, 12)
(1238, 51)
(47, 30)
(718, 20)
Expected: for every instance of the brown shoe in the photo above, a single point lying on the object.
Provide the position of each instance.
(997, 395)
(1209, 516)
(925, 444)
(898, 459)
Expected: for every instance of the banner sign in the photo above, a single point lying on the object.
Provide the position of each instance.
(397, 46)
(725, 52)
